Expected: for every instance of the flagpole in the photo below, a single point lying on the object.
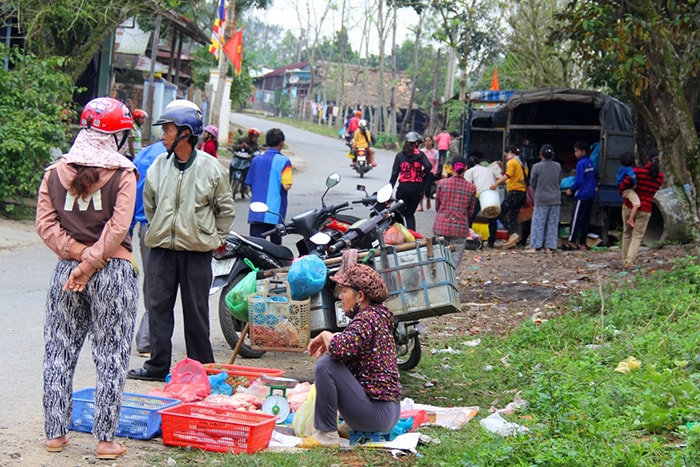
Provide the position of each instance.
(221, 82)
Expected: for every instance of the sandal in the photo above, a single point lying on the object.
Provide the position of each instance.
(112, 455)
(57, 444)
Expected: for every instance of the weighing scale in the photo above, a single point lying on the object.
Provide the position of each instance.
(277, 404)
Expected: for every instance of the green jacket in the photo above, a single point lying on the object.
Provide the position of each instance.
(190, 209)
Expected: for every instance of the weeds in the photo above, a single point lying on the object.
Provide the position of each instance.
(581, 412)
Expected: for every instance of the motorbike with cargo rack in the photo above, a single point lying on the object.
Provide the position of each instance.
(420, 276)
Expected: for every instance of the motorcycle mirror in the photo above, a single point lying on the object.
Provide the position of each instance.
(257, 206)
(320, 238)
(384, 193)
(333, 179)
(361, 187)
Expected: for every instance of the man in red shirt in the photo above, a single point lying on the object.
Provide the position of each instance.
(354, 122)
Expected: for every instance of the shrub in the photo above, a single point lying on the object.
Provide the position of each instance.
(34, 101)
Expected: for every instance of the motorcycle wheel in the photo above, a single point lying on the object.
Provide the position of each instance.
(236, 184)
(408, 355)
(232, 327)
(362, 172)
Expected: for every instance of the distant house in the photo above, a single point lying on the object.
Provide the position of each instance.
(337, 90)
(132, 62)
(285, 85)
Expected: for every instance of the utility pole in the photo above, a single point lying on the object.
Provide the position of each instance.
(151, 78)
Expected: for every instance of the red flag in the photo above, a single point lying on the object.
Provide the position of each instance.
(217, 29)
(234, 50)
(494, 81)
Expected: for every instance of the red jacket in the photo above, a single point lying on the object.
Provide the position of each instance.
(646, 187)
(455, 200)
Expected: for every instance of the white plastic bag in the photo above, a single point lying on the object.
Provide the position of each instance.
(495, 423)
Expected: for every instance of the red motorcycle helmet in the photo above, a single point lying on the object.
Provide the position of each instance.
(138, 113)
(106, 115)
(253, 132)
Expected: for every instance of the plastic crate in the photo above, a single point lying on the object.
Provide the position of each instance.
(278, 323)
(138, 419)
(421, 281)
(219, 429)
(239, 373)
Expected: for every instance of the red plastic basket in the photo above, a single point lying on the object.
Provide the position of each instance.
(219, 429)
(240, 375)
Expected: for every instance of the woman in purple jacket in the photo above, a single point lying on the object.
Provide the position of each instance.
(356, 374)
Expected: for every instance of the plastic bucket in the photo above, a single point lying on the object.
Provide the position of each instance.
(490, 202)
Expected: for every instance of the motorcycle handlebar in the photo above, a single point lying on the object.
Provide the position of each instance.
(339, 207)
(364, 228)
(270, 232)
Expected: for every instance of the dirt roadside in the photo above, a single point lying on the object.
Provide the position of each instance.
(498, 290)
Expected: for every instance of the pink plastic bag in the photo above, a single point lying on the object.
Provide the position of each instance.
(188, 381)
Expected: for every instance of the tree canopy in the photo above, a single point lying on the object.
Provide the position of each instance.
(649, 52)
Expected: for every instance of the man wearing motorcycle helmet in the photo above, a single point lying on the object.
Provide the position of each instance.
(135, 144)
(187, 201)
(357, 374)
(249, 142)
(84, 207)
(209, 143)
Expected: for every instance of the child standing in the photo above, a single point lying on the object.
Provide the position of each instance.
(627, 170)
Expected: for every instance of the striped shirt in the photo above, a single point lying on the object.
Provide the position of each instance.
(646, 187)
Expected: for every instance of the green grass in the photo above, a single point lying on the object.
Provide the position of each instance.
(581, 412)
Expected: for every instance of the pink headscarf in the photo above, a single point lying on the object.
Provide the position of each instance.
(95, 149)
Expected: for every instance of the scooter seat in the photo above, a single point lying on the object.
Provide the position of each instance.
(278, 251)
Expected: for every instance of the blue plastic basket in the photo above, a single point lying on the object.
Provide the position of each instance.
(139, 417)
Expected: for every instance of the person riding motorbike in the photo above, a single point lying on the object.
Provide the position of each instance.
(352, 125)
(248, 143)
(238, 169)
(361, 140)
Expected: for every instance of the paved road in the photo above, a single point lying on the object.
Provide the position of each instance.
(26, 265)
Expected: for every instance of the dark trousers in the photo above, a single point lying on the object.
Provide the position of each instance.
(493, 223)
(411, 194)
(580, 221)
(441, 162)
(510, 209)
(167, 271)
(258, 228)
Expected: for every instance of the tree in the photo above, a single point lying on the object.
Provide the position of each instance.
(469, 28)
(34, 98)
(532, 61)
(649, 51)
(75, 30)
(421, 9)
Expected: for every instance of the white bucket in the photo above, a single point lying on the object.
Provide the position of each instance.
(490, 202)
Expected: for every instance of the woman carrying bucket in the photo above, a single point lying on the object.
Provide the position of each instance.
(490, 207)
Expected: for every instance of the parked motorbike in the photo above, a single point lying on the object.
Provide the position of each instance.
(229, 267)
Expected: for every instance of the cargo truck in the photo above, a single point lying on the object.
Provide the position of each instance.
(560, 117)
